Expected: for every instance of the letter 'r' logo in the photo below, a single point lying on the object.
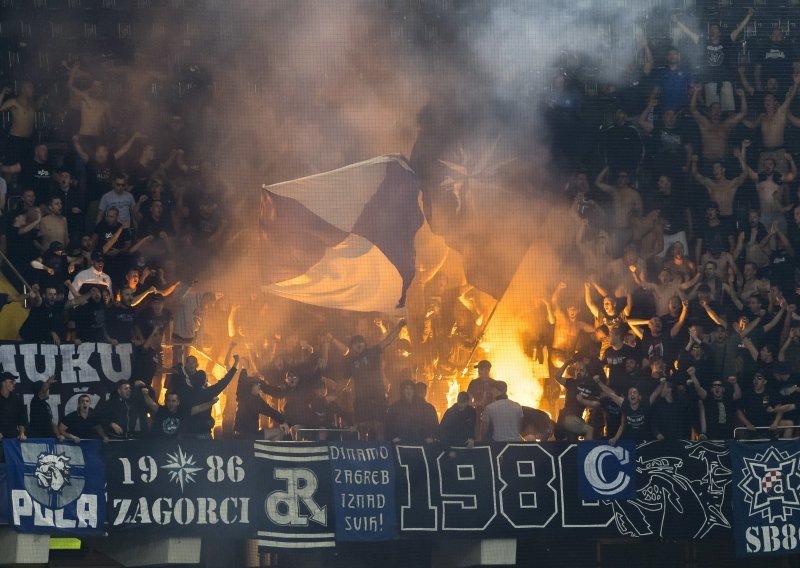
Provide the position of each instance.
(604, 469)
(283, 507)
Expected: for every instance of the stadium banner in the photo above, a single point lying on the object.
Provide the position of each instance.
(766, 480)
(182, 486)
(363, 487)
(92, 368)
(295, 497)
(681, 491)
(54, 487)
(308, 495)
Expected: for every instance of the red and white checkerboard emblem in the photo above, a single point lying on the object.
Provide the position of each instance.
(770, 480)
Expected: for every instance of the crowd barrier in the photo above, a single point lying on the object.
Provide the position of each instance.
(311, 495)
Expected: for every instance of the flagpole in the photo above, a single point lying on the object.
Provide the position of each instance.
(491, 314)
(465, 370)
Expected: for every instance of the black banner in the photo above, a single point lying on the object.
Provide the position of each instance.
(186, 487)
(92, 368)
(287, 495)
(295, 496)
(501, 490)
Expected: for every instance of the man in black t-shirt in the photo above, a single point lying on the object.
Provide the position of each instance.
(718, 411)
(776, 60)
(41, 421)
(80, 424)
(45, 322)
(170, 418)
(114, 240)
(121, 317)
(760, 408)
(581, 393)
(37, 172)
(636, 420)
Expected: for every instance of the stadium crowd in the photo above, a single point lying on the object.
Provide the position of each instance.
(684, 323)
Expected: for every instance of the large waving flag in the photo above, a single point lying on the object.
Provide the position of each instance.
(345, 238)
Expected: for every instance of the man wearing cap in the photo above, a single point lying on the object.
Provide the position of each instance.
(13, 415)
(93, 275)
(483, 389)
(718, 411)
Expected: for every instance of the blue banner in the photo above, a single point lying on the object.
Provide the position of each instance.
(55, 486)
(363, 491)
(607, 472)
(766, 502)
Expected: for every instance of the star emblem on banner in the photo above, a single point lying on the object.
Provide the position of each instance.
(181, 468)
(770, 483)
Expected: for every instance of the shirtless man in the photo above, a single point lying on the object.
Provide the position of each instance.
(721, 189)
(665, 289)
(94, 110)
(713, 129)
(567, 325)
(23, 112)
(625, 202)
(751, 285)
(53, 226)
(754, 240)
(773, 124)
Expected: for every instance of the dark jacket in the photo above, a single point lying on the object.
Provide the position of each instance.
(457, 426)
(191, 396)
(411, 422)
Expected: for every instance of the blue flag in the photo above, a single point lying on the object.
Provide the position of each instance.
(766, 502)
(55, 486)
(363, 491)
(606, 472)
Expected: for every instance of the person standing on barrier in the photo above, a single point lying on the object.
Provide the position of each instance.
(581, 393)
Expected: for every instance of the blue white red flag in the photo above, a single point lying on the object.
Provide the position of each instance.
(343, 239)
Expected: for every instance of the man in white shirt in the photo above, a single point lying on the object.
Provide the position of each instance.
(93, 275)
(502, 418)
